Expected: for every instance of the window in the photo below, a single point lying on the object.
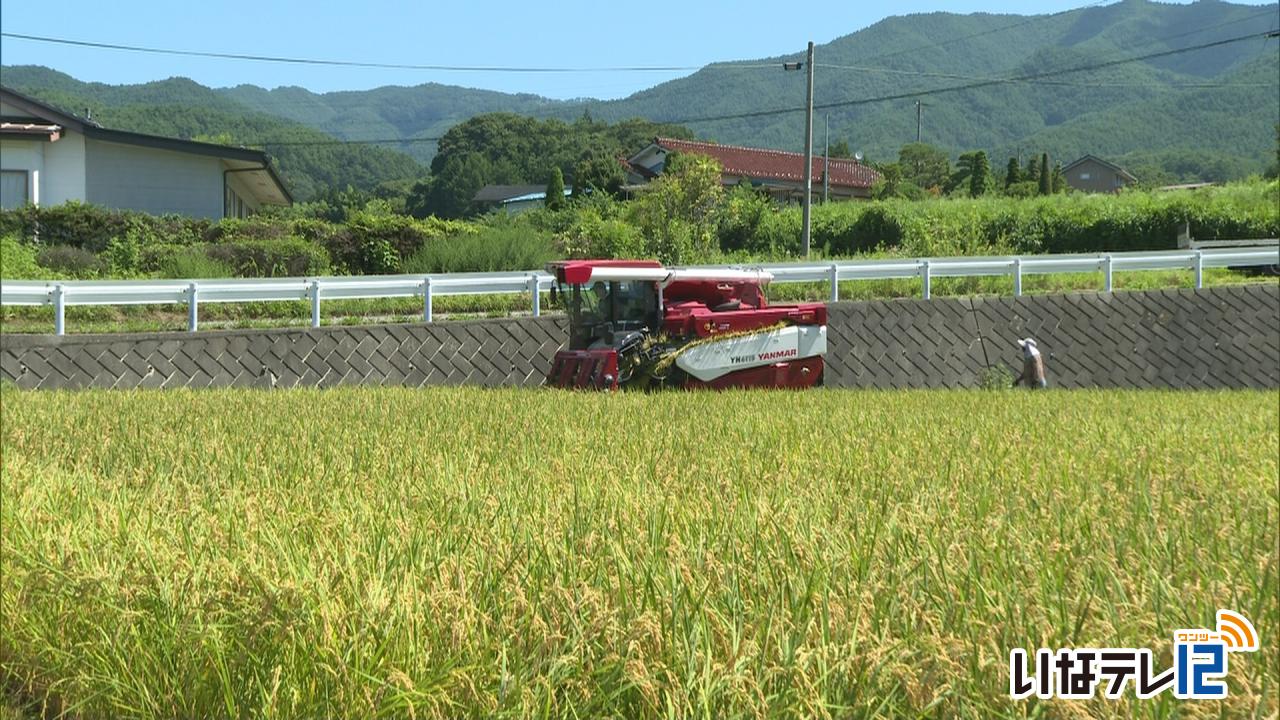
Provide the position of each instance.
(1084, 176)
(233, 206)
(14, 192)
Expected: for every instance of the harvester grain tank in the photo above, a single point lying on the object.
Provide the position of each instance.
(637, 324)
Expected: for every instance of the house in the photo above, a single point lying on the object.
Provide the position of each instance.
(1092, 174)
(777, 172)
(514, 199)
(48, 157)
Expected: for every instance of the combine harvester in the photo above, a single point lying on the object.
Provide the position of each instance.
(636, 324)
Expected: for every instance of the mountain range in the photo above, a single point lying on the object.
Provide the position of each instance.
(1209, 113)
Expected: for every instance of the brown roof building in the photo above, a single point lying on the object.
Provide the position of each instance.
(778, 172)
(1092, 174)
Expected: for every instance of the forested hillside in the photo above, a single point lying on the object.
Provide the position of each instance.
(1219, 104)
(412, 113)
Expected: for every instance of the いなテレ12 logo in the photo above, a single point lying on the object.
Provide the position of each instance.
(1199, 671)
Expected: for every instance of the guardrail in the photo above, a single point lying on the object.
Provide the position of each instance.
(61, 294)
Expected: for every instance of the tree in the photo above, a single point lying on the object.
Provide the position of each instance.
(598, 172)
(418, 202)
(523, 150)
(980, 175)
(960, 176)
(677, 213)
(1033, 170)
(338, 203)
(839, 149)
(924, 165)
(1046, 180)
(1058, 182)
(555, 190)
(892, 184)
(456, 184)
(1012, 173)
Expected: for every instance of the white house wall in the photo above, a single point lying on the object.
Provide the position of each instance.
(152, 180)
(63, 178)
(59, 166)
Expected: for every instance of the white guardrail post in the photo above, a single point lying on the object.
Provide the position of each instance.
(193, 308)
(59, 311)
(1017, 277)
(1199, 268)
(426, 299)
(835, 282)
(315, 303)
(537, 297)
(925, 274)
(1106, 273)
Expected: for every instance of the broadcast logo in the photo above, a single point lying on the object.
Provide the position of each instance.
(1200, 658)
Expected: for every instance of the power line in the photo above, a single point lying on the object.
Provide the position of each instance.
(1036, 18)
(321, 143)
(1027, 21)
(978, 82)
(1033, 77)
(346, 63)
(974, 85)
(954, 76)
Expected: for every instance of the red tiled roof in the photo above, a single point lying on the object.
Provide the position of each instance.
(776, 164)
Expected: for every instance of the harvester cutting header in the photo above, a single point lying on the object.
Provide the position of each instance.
(634, 323)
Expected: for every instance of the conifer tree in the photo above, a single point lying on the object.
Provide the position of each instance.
(1013, 173)
(981, 174)
(555, 190)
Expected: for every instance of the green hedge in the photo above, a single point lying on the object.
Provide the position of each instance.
(1056, 224)
(746, 227)
(92, 228)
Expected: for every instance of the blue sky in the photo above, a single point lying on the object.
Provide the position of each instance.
(523, 34)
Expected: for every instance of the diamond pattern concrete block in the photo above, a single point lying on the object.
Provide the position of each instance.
(1223, 337)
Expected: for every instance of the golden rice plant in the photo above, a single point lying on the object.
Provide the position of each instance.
(507, 553)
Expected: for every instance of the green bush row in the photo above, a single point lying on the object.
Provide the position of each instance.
(1055, 224)
(680, 222)
(85, 241)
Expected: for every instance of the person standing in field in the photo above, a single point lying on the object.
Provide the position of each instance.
(1032, 366)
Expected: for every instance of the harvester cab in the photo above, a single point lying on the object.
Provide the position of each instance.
(638, 324)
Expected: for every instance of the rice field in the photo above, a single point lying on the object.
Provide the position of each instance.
(473, 553)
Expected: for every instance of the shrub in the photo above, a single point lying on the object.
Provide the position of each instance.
(740, 217)
(18, 260)
(194, 262)
(92, 228)
(594, 236)
(1053, 224)
(376, 240)
(287, 257)
(71, 261)
(494, 249)
(123, 254)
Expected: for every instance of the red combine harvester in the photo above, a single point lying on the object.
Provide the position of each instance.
(634, 323)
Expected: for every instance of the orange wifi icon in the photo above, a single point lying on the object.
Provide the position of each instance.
(1237, 632)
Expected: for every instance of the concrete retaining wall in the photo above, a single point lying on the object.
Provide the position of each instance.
(1217, 338)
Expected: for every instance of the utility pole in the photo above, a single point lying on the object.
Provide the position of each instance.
(808, 141)
(808, 152)
(919, 105)
(826, 157)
